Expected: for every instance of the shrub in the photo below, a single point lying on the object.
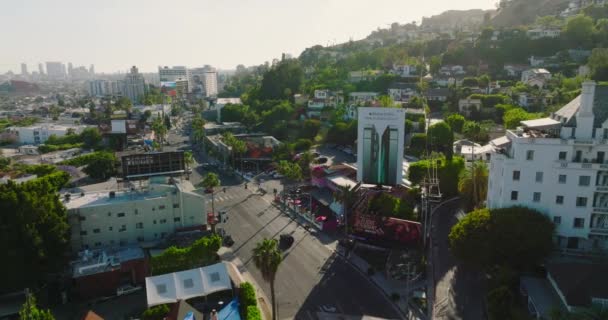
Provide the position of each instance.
(253, 313)
(156, 312)
(247, 297)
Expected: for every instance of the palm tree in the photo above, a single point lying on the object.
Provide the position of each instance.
(239, 147)
(346, 196)
(211, 181)
(188, 159)
(267, 258)
(159, 128)
(473, 184)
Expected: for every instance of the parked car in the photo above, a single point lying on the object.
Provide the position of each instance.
(127, 289)
(228, 241)
(277, 176)
(286, 240)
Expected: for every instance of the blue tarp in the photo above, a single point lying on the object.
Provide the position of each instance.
(230, 311)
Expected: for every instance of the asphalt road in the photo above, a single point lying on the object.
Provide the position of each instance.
(458, 290)
(312, 278)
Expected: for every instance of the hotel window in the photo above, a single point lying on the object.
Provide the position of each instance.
(175, 205)
(120, 214)
(516, 175)
(559, 199)
(109, 228)
(178, 219)
(581, 201)
(163, 221)
(536, 197)
(561, 178)
(83, 233)
(530, 155)
(579, 223)
(563, 155)
(96, 230)
(161, 207)
(584, 180)
(557, 220)
(122, 228)
(539, 176)
(514, 195)
(139, 225)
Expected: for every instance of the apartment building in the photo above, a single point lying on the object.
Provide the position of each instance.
(119, 218)
(559, 166)
(134, 85)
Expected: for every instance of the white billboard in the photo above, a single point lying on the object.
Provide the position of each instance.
(380, 142)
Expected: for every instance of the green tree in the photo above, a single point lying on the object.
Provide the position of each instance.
(35, 232)
(188, 158)
(210, 182)
(441, 138)
(517, 237)
(160, 129)
(102, 166)
(310, 128)
(456, 121)
(473, 184)
(346, 195)
(91, 137)
(418, 144)
(474, 131)
(598, 64)
(282, 80)
(267, 258)
(167, 122)
(29, 311)
(513, 117)
(579, 31)
(291, 171)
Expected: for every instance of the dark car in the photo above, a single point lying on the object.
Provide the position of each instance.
(208, 190)
(286, 240)
(228, 241)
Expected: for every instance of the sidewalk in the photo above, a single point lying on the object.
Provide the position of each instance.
(227, 255)
(389, 287)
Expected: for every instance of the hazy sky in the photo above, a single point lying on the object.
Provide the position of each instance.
(115, 34)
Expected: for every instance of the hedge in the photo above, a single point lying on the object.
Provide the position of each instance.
(86, 159)
(247, 297)
(253, 313)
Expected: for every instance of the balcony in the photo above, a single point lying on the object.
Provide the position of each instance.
(600, 209)
(599, 230)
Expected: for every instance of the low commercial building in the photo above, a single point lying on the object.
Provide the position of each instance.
(39, 133)
(468, 105)
(140, 216)
(100, 272)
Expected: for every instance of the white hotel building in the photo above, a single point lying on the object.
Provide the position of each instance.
(559, 166)
(148, 215)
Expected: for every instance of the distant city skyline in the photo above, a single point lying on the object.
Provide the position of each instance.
(115, 35)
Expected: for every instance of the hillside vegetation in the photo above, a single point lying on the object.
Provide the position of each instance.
(525, 12)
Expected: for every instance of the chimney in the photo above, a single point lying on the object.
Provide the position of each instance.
(587, 97)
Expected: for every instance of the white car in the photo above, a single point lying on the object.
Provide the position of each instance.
(277, 176)
(127, 289)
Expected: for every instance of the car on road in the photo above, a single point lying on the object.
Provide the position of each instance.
(286, 240)
(208, 190)
(277, 176)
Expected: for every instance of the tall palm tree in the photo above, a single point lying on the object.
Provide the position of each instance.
(346, 196)
(267, 258)
(211, 181)
(473, 184)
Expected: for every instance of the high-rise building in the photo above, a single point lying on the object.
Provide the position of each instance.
(40, 69)
(175, 73)
(559, 166)
(55, 70)
(134, 86)
(92, 70)
(100, 88)
(70, 68)
(211, 83)
(24, 69)
(204, 81)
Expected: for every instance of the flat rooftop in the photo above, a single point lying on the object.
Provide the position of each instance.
(90, 199)
(97, 261)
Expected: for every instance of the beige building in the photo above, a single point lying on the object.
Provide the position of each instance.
(149, 214)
